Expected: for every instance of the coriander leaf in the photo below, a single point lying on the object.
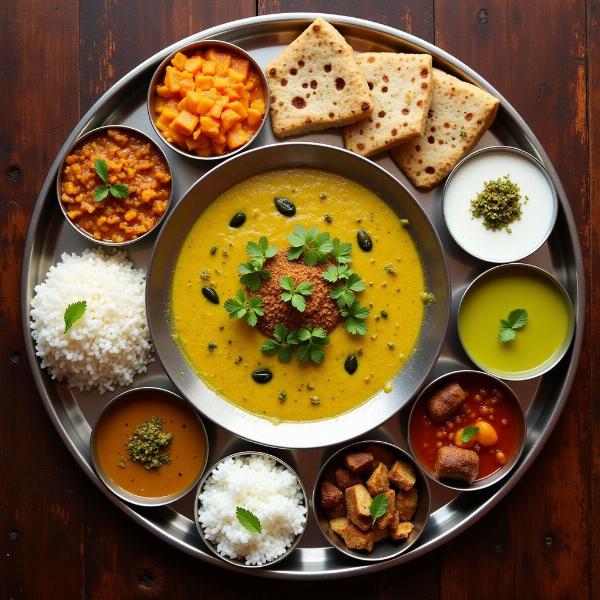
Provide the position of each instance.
(294, 253)
(517, 318)
(253, 273)
(317, 355)
(507, 334)
(341, 251)
(311, 342)
(270, 347)
(379, 506)
(313, 245)
(334, 273)
(248, 520)
(262, 250)
(355, 283)
(287, 283)
(303, 352)
(355, 315)
(468, 433)
(305, 288)
(73, 313)
(119, 190)
(298, 302)
(101, 169)
(285, 354)
(319, 333)
(100, 193)
(251, 318)
(280, 332)
(241, 306)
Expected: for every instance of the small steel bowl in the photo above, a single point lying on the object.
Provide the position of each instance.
(201, 45)
(559, 353)
(478, 378)
(553, 200)
(211, 546)
(387, 548)
(119, 491)
(90, 134)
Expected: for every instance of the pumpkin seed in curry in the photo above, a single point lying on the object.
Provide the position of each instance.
(195, 320)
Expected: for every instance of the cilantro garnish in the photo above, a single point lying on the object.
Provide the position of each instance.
(295, 293)
(118, 190)
(281, 343)
(246, 307)
(516, 319)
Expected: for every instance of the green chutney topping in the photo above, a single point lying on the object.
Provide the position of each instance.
(498, 204)
(148, 443)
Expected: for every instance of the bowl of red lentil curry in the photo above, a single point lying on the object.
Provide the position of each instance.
(115, 185)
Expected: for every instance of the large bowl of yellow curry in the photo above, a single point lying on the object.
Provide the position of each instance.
(298, 295)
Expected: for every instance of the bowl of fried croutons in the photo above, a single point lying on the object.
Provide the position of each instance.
(371, 500)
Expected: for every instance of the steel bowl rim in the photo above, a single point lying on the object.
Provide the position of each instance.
(402, 547)
(199, 489)
(153, 326)
(560, 352)
(509, 150)
(504, 469)
(131, 498)
(193, 46)
(79, 140)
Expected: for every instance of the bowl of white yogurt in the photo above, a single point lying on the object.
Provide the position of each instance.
(538, 204)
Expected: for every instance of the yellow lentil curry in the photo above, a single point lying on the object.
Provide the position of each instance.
(225, 352)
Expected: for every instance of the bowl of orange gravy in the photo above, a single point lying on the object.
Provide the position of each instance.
(149, 446)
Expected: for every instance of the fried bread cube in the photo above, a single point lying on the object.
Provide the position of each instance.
(353, 537)
(402, 475)
(358, 462)
(344, 479)
(387, 517)
(379, 481)
(335, 512)
(406, 503)
(330, 495)
(358, 506)
(402, 530)
(445, 402)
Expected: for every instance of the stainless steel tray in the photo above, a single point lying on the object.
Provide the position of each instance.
(73, 413)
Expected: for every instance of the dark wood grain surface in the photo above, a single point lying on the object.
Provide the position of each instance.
(59, 537)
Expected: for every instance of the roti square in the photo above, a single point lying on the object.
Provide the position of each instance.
(460, 113)
(316, 83)
(401, 88)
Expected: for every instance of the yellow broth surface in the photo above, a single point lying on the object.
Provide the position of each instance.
(227, 368)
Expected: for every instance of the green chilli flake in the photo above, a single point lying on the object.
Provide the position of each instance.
(499, 204)
(148, 443)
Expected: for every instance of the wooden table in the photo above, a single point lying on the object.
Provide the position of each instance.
(60, 538)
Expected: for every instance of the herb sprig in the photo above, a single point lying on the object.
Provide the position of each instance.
(311, 342)
(73, 313)
(468, 433)
(253, 272)
(281, 344)
(295, 293)
(248, 520)
(516, 319)
(117, 190)
(311, 244)
(243, 306)
(355, 315)
(379, 506)
(343, 294)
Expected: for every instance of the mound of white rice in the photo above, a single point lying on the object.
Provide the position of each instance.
(111, 343)
(264, 487)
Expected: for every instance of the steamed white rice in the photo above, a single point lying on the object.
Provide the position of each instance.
(111, 343)
(261, 485)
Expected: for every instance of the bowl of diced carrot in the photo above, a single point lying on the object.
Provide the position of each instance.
(208, 99)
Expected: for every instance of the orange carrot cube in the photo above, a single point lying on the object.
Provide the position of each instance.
(184, 123)
(194, 64)
(204, 82)
(178, 61)
(210, 126)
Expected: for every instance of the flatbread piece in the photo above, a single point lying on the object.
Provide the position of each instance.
(459, 115)
(401, 88)
(315, 83)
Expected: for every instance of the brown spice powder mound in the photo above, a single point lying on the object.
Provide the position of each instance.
(321, 310)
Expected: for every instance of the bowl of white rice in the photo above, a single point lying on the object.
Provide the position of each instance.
(263, 489)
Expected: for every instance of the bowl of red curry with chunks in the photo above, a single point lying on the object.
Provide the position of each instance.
(467, 430)
(371, 500)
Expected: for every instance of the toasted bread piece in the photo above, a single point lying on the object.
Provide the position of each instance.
(315, 83)
(458, 464)
(460, 113)
(402, 475)
(406, 503)
(345, 479)
(358, 506)
(358, 462)
(330, 495)
(401, 87)
(381, 534)
(353, 537)
(336, 511)
(379, 481)
(388, 516)
(402, 530)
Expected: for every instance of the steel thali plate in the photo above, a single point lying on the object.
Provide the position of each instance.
(74, 413)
